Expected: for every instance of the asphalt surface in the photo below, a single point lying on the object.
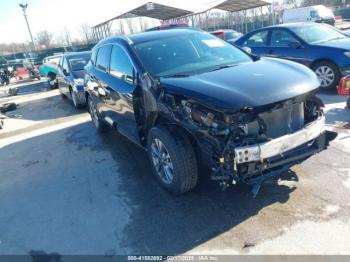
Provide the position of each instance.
(65, 189)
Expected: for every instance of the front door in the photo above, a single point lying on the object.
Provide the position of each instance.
(121, 88)
(63, 74)
(285, 45)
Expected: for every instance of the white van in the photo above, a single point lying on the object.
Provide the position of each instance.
(316, 13)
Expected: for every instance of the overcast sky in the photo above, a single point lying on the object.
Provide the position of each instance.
(54, 15)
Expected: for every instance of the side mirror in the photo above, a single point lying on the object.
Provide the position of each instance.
(247, 49)
(65, 72)
(294, 44)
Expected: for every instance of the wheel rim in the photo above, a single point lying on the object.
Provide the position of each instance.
(162, 161)
(93, 113)
(326, 75)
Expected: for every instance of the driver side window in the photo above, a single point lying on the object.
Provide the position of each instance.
(282, 38)
(121, 66)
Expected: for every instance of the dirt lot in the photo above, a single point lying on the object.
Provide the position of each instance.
(66, 189)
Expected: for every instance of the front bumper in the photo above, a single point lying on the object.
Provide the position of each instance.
(280, 145)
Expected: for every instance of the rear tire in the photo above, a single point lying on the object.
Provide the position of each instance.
(173, 160)
(52, 81)
(328, 74)
(100, 125)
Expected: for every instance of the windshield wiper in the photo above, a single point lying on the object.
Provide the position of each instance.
(177, 75)
(222, 67)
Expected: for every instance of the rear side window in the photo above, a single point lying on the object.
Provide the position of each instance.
(103, 55)
(121, 66)
(258, 39)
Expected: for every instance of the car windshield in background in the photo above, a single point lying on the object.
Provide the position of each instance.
(188, 54)
(78, 63)
(231, 35)
(317, 33)
(54, 60)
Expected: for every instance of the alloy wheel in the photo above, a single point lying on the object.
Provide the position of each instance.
(93, 113)
(162, 161)
(326, 75)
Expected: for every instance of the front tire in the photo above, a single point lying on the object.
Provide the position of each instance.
(173, 160)
(328, 74)
(95, 117)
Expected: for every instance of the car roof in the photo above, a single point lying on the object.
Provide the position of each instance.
(77, 54)
(293, 25)
(149, 36)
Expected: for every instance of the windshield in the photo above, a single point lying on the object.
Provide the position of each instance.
(78, 63)
(188, 54)
(317, 33)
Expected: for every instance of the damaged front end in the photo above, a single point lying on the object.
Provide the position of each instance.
(253, 144)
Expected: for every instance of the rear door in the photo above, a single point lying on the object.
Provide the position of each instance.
(100, 77)
(258, 42)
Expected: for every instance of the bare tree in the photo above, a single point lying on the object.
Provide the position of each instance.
(66, 36)
(86, 31)
(129, 23)
(44, 39)
(121, 27)
(143, 24)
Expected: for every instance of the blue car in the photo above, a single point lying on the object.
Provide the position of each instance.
(321, 47)
(70, 77)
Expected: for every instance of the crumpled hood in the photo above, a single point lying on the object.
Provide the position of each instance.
(252, 84)
(78, 74)
(343, 43)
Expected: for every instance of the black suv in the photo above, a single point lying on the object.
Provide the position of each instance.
(185, 95)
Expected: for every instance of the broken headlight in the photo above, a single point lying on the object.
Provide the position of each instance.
(200, 115)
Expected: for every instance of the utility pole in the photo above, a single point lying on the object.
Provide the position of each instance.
(24, 8)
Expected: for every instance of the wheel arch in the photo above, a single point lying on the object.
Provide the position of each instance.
(319, 60)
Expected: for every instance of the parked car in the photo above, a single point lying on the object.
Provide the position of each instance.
(321, 47)
(344, 13)
(180, 92)
(49, 69)
(316, 13)
(228, 35)
(70, 77)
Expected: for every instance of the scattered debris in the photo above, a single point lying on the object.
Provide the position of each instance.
(248, 244)
(7, 107)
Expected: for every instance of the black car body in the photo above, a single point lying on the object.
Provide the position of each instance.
(185, 95)
(322, 48)
(70, 77)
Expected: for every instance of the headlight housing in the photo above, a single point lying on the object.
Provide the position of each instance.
(347, 53)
